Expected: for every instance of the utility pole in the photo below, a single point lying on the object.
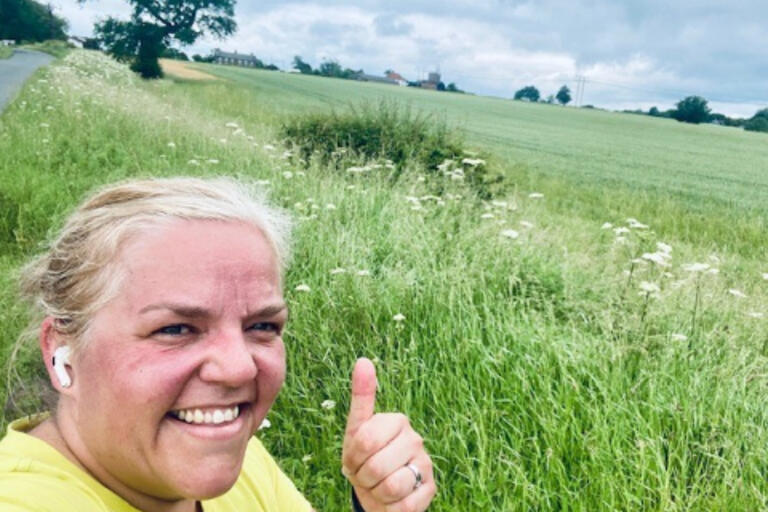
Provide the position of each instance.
(581, 80)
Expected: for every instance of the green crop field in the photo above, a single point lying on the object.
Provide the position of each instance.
(595, 339)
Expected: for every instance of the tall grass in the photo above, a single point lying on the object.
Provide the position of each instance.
(5, 52)
(551, 362)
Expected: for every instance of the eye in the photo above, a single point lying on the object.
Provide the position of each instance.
(265, 326)
(175, 330)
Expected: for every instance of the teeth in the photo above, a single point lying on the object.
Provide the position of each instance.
(210, 417)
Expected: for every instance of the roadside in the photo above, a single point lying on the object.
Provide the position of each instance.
(15, 70)
(5, 52)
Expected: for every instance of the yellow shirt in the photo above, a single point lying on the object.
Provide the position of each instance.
(35, 477)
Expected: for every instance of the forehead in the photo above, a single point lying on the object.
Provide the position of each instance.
(200, 260)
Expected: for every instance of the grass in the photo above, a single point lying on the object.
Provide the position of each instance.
(52, 47)
(5, 52)
(541, 374)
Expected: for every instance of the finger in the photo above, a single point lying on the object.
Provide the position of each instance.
(363, 400)
(370, 438)
(399, 484)
(389, 460)
(418, 500)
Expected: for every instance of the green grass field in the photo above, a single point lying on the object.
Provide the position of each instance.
(549, 364)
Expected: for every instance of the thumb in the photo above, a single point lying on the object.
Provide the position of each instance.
(363, 401)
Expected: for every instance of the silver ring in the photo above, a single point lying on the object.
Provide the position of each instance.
(417, 474)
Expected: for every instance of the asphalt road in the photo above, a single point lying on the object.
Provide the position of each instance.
(15, 71)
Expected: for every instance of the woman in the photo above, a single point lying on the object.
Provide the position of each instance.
(160, 319)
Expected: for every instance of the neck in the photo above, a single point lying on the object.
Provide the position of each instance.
(50, 432)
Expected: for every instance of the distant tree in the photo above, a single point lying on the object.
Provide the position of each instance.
(440, 86)
(761, 113)
(92, 43)
(155, 24)
(564, 95)
(199, 58)
(654, 112)
(550, 99)
(298, 63)
(528, 93)
(451, 87)
(173, 53)
(757, 124)
(692, 109)
(27, 20)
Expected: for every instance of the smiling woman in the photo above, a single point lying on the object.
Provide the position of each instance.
(160, 316)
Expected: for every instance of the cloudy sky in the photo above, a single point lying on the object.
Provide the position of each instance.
(632, 53)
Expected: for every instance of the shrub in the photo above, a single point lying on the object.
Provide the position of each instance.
(384, 131)
(757, 124)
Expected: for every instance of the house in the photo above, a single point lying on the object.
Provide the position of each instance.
(373, 78)
(397, 77)
(236, 59)
(432, 81)
(7, 42)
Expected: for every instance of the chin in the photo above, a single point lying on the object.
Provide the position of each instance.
(210, 486)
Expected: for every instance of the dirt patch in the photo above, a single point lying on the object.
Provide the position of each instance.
(180, 69)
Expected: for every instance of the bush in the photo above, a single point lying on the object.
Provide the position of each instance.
(385, 131)
(757, 124)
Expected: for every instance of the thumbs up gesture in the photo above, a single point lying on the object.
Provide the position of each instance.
(383, 457)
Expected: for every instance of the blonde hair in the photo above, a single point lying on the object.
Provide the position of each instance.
(79, 274)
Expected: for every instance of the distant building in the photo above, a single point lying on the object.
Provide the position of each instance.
(236, 59)
(373, 78)
(7, 42)
(397, 77)
(432, 81)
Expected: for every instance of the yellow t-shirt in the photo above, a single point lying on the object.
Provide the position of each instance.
(35, 477)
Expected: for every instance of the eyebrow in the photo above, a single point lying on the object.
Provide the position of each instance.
(188, 311)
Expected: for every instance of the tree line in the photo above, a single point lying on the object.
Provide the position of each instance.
(30, 21)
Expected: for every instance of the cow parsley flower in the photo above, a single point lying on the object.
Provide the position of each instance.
(338, 270)
(737, 293)
(648, 287)
(328, 404)
(510, 233)
(606, 225)
(678, 337)
(535, 195)
(302, 288)
(696, 267)
(398, 317)
(265, 424)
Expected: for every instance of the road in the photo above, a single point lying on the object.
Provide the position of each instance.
(15, 71)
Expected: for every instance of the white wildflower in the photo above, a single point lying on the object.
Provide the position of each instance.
(661, 246)
(269, 147)
(398, 317)
(338, 270)
(328, 404)
(510, 233)
(421, 179)
(737, 293)
(193, 162)
(486, 216)
(363, 272)
(330, 206)
(265, 424)
(171, 145)
(535, 195)
(212, 161)
(306, 458)
(648, 287)
(302, 288)
(526, 224)
(500, 204)
(765, 276)
(44, 125)
(606, 225)
(755, 314)
(223, 140)
(621, 231)
(262, 183)
(473, 162)
(713, 271)
(696, 267)
(636, 224)
(620, 239)
(678, 337)
(231, 124)
(659, 258)
(287, 175)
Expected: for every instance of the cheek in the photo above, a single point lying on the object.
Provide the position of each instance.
(271, 363)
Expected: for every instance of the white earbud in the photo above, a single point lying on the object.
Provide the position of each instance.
(60, 360)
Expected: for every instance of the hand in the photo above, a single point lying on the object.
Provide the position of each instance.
(378, 449)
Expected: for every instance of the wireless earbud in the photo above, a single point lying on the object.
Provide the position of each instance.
(60, 360)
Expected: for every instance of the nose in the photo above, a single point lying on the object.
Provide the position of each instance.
(229, 361)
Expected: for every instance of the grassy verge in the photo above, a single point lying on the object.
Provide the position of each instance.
(52, 47)
(552, 362)
(5, 52)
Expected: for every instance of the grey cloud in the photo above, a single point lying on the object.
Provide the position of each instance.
(390, 26)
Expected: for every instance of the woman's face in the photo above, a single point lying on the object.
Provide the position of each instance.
(182, 366)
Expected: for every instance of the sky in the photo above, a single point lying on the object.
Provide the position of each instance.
(632, 54)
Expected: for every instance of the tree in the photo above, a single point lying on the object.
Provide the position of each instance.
(451, 87)
(27, 20)
(156, 24)
(654, 112)
(692, 109)
(563, 95)
(528, 93)
(298, 63)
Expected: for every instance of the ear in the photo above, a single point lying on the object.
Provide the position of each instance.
(50, 340)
